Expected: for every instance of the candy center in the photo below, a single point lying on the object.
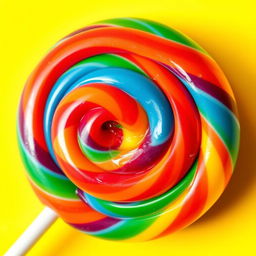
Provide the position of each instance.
(113, 134)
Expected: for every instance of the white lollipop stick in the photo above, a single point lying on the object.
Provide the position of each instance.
(32, 233)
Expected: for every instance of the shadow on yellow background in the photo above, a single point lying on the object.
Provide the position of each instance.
(225, 30)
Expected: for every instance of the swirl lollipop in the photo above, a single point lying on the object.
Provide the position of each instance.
(128, 130)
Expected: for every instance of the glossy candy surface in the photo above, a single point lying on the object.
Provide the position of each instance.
(128, 130)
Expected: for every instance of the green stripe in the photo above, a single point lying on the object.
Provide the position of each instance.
(146, 207)
(131, 227)
(110, 60)
(154, 28)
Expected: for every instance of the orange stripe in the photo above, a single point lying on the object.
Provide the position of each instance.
(221, 148)
(70, 211)
(193, 203)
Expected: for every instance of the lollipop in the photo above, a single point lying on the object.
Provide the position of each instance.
(128, 130)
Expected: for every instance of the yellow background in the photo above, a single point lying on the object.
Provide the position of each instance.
(226, 29)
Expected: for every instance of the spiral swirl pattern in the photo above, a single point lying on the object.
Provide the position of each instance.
(128, 130)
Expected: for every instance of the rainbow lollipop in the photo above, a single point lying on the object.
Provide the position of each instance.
(128, 130)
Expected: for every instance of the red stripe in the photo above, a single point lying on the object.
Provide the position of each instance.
(194, 202)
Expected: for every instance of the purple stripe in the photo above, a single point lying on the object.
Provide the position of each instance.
(34, 149)
(96, 225)
(215, 91)
(44, 158)
(208, 87)
(81, 194)
(145, 158)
